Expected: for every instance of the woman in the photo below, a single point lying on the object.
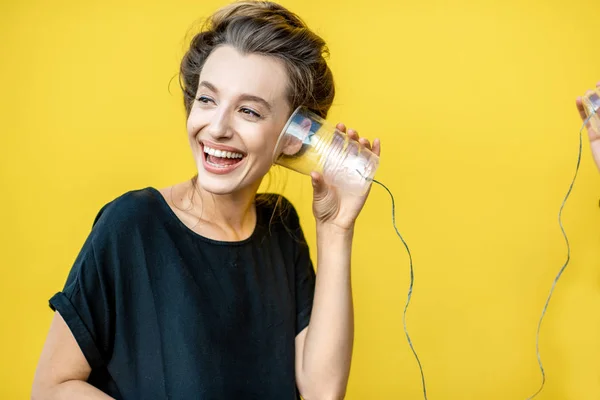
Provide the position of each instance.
(204, 290)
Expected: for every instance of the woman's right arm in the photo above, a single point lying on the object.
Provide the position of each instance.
(62, 371)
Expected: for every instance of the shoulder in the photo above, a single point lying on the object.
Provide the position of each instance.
(277, 209)
(128, 211)
(280, 217)
(118, 229)
(270, 199)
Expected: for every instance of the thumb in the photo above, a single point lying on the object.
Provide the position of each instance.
(319, 186)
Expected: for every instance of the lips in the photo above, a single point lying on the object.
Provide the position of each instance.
(219, 159)
(222, 153)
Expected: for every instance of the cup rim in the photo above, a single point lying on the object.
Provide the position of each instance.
(590, 106)
(282, 133)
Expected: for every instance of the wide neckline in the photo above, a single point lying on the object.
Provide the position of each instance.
(170, 214)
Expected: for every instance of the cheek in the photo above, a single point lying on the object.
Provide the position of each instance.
(268, 140)
(273, 138)
(193, 124)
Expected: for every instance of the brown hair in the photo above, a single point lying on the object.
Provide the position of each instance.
(266, 28)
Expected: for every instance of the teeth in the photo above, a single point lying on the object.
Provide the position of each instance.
(222, 154)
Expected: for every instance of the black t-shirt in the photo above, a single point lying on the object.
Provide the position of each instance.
(161, 312)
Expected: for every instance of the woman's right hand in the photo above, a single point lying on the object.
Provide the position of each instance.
(594, 135)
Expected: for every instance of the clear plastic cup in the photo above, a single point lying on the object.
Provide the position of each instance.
(591, 104)
(308, 143)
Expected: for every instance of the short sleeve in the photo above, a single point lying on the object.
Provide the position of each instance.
(86, 304)
(305, 277)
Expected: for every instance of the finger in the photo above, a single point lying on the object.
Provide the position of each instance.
(319, 186)
(341, 127)
(598, 84)
(376, 147)
(365, 142)
(352, 134)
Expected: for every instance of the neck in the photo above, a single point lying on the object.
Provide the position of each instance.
(233, 213)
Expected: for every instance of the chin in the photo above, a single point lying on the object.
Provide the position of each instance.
(216, 185)
(224, 184)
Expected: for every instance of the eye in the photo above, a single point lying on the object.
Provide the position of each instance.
(250, 113)
(205, 100)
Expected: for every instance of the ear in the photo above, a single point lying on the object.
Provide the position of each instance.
(291, 145)
(295, 137)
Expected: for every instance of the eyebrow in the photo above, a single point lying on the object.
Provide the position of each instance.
(245, 96)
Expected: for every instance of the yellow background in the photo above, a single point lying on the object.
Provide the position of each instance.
(474, 103)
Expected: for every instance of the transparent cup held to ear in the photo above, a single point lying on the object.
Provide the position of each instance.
(309, 143)
(591, 104)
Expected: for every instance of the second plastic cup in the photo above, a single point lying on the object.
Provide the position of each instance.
(308, 143)
(591, 104)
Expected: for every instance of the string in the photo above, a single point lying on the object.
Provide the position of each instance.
(562, 269)
(410, 288)
(556, 279)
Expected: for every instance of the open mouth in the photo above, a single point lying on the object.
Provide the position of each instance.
(217, 160)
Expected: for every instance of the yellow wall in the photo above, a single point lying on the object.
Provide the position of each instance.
(474, 102)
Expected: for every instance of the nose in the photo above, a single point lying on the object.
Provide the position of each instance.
(219, 126)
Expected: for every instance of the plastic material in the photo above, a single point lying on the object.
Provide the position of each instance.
(308, 143)
(591, 104)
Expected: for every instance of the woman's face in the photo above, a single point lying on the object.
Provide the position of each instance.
(240, 109)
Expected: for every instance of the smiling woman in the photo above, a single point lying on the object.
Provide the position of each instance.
(241, 107)
(194, 290)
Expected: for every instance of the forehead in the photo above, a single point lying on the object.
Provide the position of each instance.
(233, 73)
